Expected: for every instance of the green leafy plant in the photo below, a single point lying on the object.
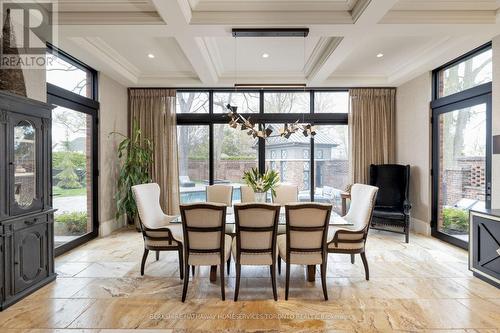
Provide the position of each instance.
(74, 223)
(455, 219)
(137, 155)
(261, 182)
(77, 158)
(68, 179)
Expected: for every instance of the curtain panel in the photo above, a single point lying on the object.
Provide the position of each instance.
(372, 130)
(154, 112)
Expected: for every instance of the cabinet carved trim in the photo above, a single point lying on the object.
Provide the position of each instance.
(26, 228)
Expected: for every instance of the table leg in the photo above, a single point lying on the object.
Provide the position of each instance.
(311, 273)
(213, 273)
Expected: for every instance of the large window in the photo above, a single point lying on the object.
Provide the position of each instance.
(193, 162)
(71, 88)
(461, 131)
(212, 152)
(470, 71)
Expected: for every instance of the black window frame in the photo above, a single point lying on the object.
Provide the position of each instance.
(263, 118)
(442, 105)
(90, 106)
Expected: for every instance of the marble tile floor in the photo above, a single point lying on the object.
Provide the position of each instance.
(423, 286)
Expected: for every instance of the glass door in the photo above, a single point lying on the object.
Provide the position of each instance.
(461, 166)
(71, 174)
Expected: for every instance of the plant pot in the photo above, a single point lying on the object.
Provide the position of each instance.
(260, 197)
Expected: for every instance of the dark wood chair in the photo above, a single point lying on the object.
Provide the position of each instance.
(305, 241)
(255, 241)
(352, 240)
(205, 241)
(392, 207)
(157, 231)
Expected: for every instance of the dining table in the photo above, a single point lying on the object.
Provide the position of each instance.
(335, 221)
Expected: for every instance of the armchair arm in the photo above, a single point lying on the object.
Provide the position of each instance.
(361, 235)
(168, 238)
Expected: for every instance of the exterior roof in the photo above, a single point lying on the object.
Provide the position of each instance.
(299, 138)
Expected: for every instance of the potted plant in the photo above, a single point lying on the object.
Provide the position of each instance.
(261, 183)
(137, 155)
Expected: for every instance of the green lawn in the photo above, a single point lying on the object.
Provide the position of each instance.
(61, 192)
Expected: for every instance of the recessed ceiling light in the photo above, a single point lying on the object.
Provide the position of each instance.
(380, 55)
(265, 55)
(151, 55)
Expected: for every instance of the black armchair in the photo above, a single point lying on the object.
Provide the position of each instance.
(392, 206)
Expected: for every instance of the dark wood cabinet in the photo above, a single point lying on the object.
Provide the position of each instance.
(26, 217)
(484, 245)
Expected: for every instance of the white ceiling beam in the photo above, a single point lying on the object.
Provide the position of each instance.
(193, 48)
(107, 18)
(372, 14)
(271, 18)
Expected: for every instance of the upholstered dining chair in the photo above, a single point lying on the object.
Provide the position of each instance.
(285, 194)
(255, 240)
(305, 241)
(352, 240)
(247, 194)
(205, 241)
(220, 193)
(157, 231)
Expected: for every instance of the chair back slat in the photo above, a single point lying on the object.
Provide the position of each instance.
(147, 198)
(362, 203)
(307, 226)
(220, 193)
(203, 227)
(256, 227)
(286, 194)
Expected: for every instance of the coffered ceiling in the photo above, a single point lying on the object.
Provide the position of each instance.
(192, 44)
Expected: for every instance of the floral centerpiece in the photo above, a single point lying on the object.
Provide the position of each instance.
(261, 183)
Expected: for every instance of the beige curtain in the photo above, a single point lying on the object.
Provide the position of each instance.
(372, 130)
(154, 112)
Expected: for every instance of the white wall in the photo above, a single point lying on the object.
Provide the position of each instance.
(413, 140)
(413, 145)
(36, 87)
(495, 202)
(112, 118)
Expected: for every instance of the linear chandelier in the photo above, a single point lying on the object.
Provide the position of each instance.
(237, 121)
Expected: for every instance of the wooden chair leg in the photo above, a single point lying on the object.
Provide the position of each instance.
(237, 288)
(287, 280)
(157, 255)
(323, 280)
(228, 265)
(352, 258)
(273, 281)
(365, 263)
(143, 262)
(186, 281)
(222, 291)
(181, 263)
(192, 270)
(279, 265)
(407, 229)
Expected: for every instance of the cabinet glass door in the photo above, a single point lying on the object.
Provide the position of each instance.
(25, 180)
(71, 174)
